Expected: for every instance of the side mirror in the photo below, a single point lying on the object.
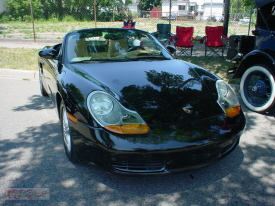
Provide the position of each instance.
(48, 53)
(171, 49)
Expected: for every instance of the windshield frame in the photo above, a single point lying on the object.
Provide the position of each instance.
(155, 49)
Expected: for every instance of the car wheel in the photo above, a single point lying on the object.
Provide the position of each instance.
(42, 88)
(257, 88)
(66, 134)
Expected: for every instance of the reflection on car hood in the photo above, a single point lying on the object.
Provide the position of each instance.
(167, 91)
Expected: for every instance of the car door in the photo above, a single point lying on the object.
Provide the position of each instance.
(51, 73)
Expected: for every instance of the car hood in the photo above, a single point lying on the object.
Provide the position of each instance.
(162, 92)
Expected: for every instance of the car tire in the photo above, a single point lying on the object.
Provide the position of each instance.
(257, 88)
(66, 134)
(42, 88)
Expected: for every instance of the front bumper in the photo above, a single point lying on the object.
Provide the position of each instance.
(170, 162)
(158, 152)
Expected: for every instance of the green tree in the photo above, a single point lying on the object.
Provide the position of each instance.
(20, 9)
(149, 4)
(240, 8)
(114, 10)
(52, 9)
(79, 9)
(237, 6)
(249, 3)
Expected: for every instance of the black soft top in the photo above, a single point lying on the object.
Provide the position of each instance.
(261, 3)
(265, 15)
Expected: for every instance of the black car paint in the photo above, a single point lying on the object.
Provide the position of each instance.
(183, 142)
(161, 135)
(261, 3)
(252, 58)
(130, 78)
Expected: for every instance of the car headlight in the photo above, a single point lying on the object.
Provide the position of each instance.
(227, 99)
(113, 116)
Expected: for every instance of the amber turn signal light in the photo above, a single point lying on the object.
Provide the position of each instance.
(233, 111)
(129, 129)
(72, 118)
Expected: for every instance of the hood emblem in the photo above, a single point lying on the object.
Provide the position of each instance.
(188, 109)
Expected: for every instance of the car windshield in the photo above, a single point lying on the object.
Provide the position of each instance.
(112, 45)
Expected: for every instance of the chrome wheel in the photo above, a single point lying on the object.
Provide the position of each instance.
(257, 88)
(66, 131)
(66, 134)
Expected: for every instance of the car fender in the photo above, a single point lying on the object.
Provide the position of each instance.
(255, 57)
(73, 90)
(62, 95)
(58, 100)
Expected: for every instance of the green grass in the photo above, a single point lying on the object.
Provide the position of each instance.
(215, 65)
(58, 29)
(18, 58)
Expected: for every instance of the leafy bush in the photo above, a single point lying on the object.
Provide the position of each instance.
(120, 17)
(82, 15)
(68, 18)
(4, 17)
(105, 16)
(27, 18)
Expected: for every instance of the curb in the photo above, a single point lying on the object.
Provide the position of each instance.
(19, 74)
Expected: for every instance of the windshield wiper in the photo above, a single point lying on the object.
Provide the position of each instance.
(121, 60)
(102, 60)
(146, 57)
(81, 61)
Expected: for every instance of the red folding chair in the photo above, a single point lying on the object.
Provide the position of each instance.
(213, 40)
(183, 40)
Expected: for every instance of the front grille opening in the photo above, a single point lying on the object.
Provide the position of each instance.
(137, 167)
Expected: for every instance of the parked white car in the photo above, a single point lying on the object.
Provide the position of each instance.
(244, 21)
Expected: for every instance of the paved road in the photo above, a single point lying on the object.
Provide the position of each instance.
(31, 156)
(27, 43)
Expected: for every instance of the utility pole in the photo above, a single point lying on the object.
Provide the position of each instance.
(95, 12)
(211, 5)
(34, 38)
(226, 16)
(170, 7)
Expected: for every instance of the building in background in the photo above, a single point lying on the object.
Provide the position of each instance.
(180, 9)
(2, 5)
(192, 9)
(134, 7)
(213, 8)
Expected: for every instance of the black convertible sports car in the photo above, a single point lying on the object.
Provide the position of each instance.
(126, 105)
